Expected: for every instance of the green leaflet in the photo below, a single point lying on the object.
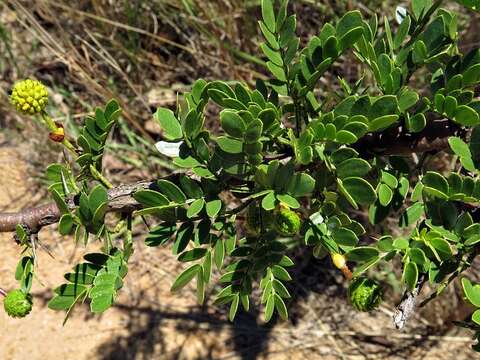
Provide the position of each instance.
(98, 280)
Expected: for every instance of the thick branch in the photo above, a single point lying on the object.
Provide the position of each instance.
(399, 142)
(120, 199)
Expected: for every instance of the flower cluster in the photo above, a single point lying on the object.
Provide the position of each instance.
(29, 96)
(365, 294)
(287, 222)
(17, 304)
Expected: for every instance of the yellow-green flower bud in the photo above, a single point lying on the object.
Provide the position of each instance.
(29, 96)
(286, 222)
(365, 294)
(339, 261)
(17, 304)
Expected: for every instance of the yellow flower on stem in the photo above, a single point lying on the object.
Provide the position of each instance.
(30, 97)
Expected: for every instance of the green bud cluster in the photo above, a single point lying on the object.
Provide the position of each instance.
(286, 222)
(365, 294)
(17, 304)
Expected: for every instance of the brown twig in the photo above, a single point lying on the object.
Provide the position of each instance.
(406, 308)
(398, 142)
(120, 199)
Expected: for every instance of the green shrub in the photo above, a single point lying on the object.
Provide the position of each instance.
(297, 166)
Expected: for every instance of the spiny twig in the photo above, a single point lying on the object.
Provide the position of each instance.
(406, 308)
(120, 199)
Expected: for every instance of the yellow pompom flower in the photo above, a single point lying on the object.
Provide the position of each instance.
(29, 96)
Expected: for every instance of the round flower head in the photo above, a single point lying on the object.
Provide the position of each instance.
(287, 222)
(365, 294)
(29, 96)
(17, 304)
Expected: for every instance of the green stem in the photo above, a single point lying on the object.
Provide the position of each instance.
(128, 243)
(464, 265)
(129, 238)
(108, 240)
(424, 21)
(419, 29)
(297, 116)
(290, 83)
(49, 121)
(239, 208)
(69, 146)
(98, 176)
